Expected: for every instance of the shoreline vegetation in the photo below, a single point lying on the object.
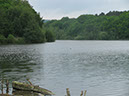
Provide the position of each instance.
(111, 26)
(21, 24)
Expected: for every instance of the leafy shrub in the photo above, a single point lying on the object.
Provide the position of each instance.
(11, 39)
(3, 40)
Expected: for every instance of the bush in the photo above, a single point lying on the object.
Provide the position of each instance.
(11, 39)
(103, 36)
(79, 37)
(3, 40)
(20, 40)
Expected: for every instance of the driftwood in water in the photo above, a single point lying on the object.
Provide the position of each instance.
(83, 93)
(28, 87)
(2, 88)
(2, 82)
(68, 92)
(29, 81)
(7, 86)
(26, 93)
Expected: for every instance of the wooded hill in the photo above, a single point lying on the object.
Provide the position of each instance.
(111, 26)
(20, 23)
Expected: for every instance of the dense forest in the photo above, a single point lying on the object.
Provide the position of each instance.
(20, 23)
(111, 26)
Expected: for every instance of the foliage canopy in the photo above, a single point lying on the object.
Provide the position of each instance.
(111, 26)
(20, 23)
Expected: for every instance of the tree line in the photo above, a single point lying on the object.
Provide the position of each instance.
(20, 23)
(111, 26)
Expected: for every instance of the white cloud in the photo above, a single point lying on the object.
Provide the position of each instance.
(55, 9)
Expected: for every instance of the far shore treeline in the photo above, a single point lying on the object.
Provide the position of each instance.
(111, 26)
(20, 23)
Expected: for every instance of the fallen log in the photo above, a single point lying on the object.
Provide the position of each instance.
(26, 93)
(28, 87)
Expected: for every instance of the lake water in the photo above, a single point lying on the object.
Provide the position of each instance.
(100, 67)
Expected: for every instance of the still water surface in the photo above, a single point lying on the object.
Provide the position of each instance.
(100, 67)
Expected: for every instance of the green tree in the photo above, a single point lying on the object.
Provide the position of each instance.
(49, 36)
(112, 26)
(34, 37)
(20, 23)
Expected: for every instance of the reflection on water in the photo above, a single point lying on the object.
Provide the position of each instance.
(19, 61)
(101, 67)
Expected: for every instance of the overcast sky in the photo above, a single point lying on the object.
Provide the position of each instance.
(56, 9)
